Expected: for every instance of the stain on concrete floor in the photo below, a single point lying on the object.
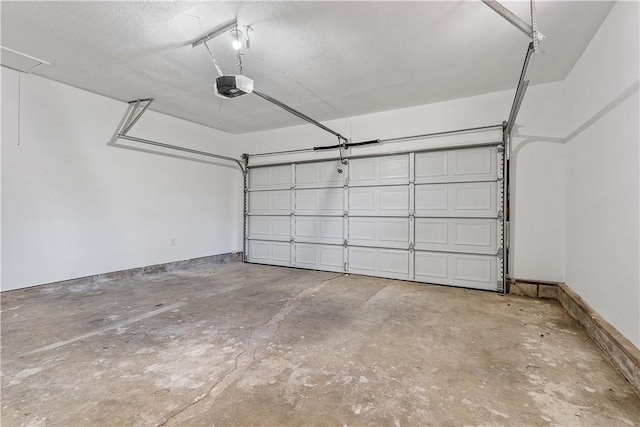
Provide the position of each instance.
(248, 345)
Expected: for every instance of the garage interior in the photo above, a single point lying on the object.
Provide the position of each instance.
(320, 213)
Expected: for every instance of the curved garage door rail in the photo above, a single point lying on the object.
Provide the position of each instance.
(432, 216)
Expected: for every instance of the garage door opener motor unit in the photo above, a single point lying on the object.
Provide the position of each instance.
(232, 86)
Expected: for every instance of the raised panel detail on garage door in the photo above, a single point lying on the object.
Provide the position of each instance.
(428, 216)
(265, 252)
(478, 235)
(270, 227)
(319, 229)
(475, 164)
(323, 201)
(379, 201)
(392, 263)
(319, 257)
(270, 178)
(315, 175)
(474, 199)
(470, 271)
(270, 202)
(387, 170)
(379, 232)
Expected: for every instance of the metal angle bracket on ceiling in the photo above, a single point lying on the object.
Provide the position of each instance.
(135, 113)
(215, 33)
(531, 30)
(34, 62)
(135, 110)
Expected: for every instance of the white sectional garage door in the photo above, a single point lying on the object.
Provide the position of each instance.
(433, 217)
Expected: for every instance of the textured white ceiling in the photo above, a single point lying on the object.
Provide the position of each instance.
(327, 59)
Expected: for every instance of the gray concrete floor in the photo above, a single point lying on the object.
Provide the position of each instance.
(250, 345)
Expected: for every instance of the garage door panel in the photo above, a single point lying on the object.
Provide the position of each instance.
(431, 266)
(270, 178)
(394, 262)
(479, 163)
(474, 164)
(319, 257)
(281, 253)
(394, 199)
(472, 268)
(324, 201)
(456, 235)
(431, 167)
(379, 232)
(391, 263)
(433, 232)
(268, 252)
(379, 201)
(388, 170)
(313, 229)
(470, 271)
(480, 234)
(432, 199)
(259, 226)
(270, 227)
(323, 174)
(475, 199)
(428, 217)
(362, 199)
(270, 202)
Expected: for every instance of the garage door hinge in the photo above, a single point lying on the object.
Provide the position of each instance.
(346, 214)
(345, 243)
(345, 266)
(501, 254)
(411, 247)
(500, 215)
(293, 213)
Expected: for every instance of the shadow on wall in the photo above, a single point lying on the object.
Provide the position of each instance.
(175, 156)
(610, 106)
(529, 139)
(113, 142)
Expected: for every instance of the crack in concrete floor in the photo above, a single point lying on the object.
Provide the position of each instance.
(258, 338)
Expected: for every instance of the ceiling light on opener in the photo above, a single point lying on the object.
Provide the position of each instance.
(237, 34)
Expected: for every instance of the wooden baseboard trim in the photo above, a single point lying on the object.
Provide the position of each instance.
(145, 271)
(624, 356)
(534, 288)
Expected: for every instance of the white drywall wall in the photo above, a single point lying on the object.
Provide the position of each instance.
(603, 170)
(73, 206)
(538, 208)
(538, 178)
